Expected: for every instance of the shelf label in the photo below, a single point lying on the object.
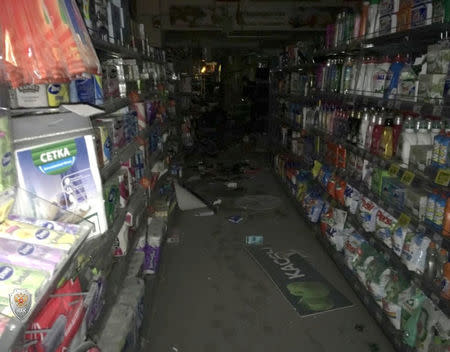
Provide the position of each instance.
(316, 168)
(443, 177)
(407, 177)
(394, 170)
(403, 220)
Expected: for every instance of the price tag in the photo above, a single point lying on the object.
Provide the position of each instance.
(316, 168)
(403, 220)
(394, 170)
(407, 178)
(443, 177)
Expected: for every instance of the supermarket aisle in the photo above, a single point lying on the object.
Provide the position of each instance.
(213, 297)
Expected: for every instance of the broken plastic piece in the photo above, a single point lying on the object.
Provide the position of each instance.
(186, 200)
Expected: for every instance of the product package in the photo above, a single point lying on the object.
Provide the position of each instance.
(64, 173)
(431, 87)
(71, 229)
(7, 168)
(112, 199)
(377, 180)
(352, 249)
(398, 290)
(103, 139)
(30, 255)
(368, 214)
(394, 191)
(58, 94)
(416, 202)
(155, 233)
(29, 96)
(415, 251)
(122, 241)
(352, 198)
(384, 227)
(377, 277)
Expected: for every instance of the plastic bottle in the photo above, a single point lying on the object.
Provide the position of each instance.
(368, 140)
(364, 18)
(368, 80)
(377, 133)
(442, 260)
(439, 210)
(429, 273)
(347, 75)
(379, 76)
(361, 76)
(431, 206)
(407, 139)
(446, 222)
(396, 131)
(338, 30)
(355, 126)
(392, 78)
(373, 19)
(365, 121)
(407, 82)
(423, 135)
(386, 147)
(445, 292)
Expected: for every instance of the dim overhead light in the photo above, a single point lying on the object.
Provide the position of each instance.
(203, 70)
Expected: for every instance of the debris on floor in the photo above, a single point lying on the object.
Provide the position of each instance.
(232, 185)
(205, 213)
(235, 219)
(254, 240)
(217, 202)
(359, 327)
(187, 200)
(173, 239)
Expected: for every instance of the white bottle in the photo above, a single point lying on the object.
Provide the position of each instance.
(363, 128)
(379, 77)
(423, 135)
(372, 122)
(407, 139)
(368, 80)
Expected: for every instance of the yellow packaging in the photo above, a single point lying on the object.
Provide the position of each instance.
(36, 235)
(57, 94)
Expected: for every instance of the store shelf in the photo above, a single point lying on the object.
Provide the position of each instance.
(412, 40)
(363, 294)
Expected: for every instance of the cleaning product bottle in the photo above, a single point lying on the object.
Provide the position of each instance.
(396, 131)
(423, 135)
(377, 133)
(379, 76)
(364, 19)
(446, 221)
(386, 147)
(368, 81)
(391, 84)
(431, 206)
(356, 123)
(407, 139)
(365, 121)
(439, 210)
(445, 285)
(429, 273)
(368, 140)
(407, 82)
(347, 75)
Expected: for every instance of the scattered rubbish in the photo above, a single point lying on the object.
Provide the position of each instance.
(186, 200)
(258, 202)
(217, 202)
(232, 185)
(205, 213)
(235, 219)
(254, 240)
(174, 349)
(173, 239)
(374, 347)
(359, 327)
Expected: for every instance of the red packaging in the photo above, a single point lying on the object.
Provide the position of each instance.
(331, 187)
(340, 190)
(341, 157)
(376, 136)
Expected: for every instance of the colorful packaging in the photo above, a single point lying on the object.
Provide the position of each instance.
(398, 290)
(29, 255)
(393, 191)
(368, 214)
(65, 173)
(377, 276)
(415, 251)
(352, 198)
(122, 242)
(111, 196)
(72, 229)
(398, 238)
(416, 202)
(7, 170)
(155, 233)
(352, 249)
(15, 230)
(384, 227)
(411, 311)
(57, 94)
(104, 145)
(377, 180)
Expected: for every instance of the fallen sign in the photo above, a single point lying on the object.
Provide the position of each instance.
(305, 288)
(187, 200)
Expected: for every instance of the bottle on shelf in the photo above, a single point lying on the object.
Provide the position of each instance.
(439, 210)
(408, 138)
(364, 125)
(396, 132)
(392, 78)
(372, 122)
(431, 264)
(441, 261)
(379, 76)
(431, 205)
(386, 147)
(377, 133)
(423, 134)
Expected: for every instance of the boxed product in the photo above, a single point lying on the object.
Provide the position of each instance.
(29, 96)
(111, 196)
(421, 14)
(123, 180)
(110, 75)
(393, 191)
(15, 230)
(431, 87)
(368, 214)
(438, 58)
(64, 173)
(30, 255)
(7, 168)
(385, 24)
(384, 227)
(113, 11)
(420, 156)
(155, 233)
(416, 202)
(377, 180)
(367, 173)
(58, 94)
(100, 20)
(72, 229)
(103, 136)
(87, 90)
(115, 125)
(414, 251)
(352, 198)
(441, 11)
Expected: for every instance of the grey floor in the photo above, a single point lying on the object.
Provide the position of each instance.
(212, 297)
